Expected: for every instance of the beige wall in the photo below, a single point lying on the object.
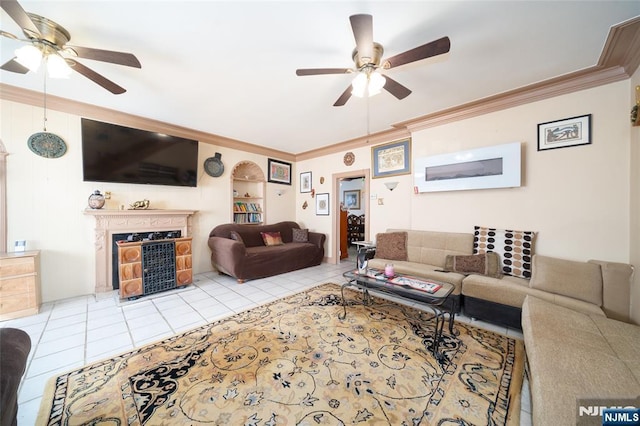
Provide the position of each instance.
(47, 198)
(576, 198)
(635, 200)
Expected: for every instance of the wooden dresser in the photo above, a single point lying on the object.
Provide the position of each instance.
(19, 284)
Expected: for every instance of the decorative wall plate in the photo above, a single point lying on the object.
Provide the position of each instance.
(349, 158)
(47, 145)
(213, 166)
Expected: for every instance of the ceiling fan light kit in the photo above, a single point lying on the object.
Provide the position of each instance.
(29, 56)
(367, 58)
(368, 83)
(48, 41)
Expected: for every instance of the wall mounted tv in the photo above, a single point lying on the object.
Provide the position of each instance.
(113, 153)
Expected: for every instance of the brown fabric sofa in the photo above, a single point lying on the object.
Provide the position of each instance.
(15, 345)
(247, 257)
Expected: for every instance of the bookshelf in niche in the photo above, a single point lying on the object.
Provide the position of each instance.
(247, 193)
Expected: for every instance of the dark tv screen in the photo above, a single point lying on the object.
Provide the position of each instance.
(113, 153)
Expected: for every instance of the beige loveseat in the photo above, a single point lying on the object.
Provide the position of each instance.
(574, 317)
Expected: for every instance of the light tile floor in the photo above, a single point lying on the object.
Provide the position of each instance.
(70, 333)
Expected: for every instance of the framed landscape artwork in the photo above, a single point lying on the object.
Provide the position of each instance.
(279, 171)
(391, 159)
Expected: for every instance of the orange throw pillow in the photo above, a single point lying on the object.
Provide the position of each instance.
(272, 238)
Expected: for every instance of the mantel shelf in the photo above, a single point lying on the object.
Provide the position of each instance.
(140, 212)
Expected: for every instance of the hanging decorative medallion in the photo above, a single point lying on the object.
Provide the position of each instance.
(213, 166)
(349, 158)
(47, 145)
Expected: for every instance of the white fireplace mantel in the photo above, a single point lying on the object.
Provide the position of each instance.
(109, 222)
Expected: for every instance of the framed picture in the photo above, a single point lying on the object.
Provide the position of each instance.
(322, 204)
(391, 159)
(497, 166)
(351, 199)
(305, 182)
(279, 172)
(564, 133)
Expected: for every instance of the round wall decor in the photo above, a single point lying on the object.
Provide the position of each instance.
(213, 165)
(47, 145)
(349, 158)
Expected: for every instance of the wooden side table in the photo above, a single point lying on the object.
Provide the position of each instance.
(19, 284)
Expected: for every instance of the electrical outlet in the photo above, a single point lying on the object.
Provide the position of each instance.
(380, 201)
(107, 195)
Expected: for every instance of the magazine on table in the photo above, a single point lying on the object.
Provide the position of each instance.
(416, 284)
(403, 280)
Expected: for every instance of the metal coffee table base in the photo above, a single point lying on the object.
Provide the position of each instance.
(438, 314)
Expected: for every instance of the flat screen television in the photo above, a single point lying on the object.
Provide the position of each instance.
(113, 153)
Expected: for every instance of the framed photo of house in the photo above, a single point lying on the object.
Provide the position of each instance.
(305, 182)
(279, 171)
(391, 159)
(572, 131)
(322, 204)
(351, 199)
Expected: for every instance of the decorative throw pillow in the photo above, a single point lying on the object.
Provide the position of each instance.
(391, 246)
(235, 236)
(272, 238)
(483, 264)
(300, 235)
(514, 247)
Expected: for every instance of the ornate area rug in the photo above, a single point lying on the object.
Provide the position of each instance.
(293, 362)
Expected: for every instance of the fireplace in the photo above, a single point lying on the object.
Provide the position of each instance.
(135, 236)
(110, 223)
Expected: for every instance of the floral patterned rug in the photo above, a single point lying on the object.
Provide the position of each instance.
(293, 362)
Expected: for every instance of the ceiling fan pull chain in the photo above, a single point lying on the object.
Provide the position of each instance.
(44, 124)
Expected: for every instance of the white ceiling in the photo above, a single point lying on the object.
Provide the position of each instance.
(228, 67)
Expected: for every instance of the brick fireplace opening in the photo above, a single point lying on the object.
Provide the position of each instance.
(110, 223)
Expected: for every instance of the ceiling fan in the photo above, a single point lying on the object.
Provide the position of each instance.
(367, 57)
(49, 40)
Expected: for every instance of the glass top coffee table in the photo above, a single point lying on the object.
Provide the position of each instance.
(431, 293)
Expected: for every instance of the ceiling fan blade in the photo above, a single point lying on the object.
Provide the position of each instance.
(120, 58)
(395, 88)
(8, 35)
(362, 26)
(17, 13)
(318, 71)
(344, 97)
(437, 47)
(14, 66)
(95, 77)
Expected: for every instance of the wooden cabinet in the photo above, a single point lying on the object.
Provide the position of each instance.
(344, 247)
(184, 273)
(19, 284)
(248, 189)
(147, 267)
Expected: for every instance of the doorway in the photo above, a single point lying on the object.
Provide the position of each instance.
(350, 213)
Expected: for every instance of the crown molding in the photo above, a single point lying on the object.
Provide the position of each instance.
(30, 97)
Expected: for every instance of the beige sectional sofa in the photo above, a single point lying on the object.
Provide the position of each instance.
(426, 253)
(574, 316)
